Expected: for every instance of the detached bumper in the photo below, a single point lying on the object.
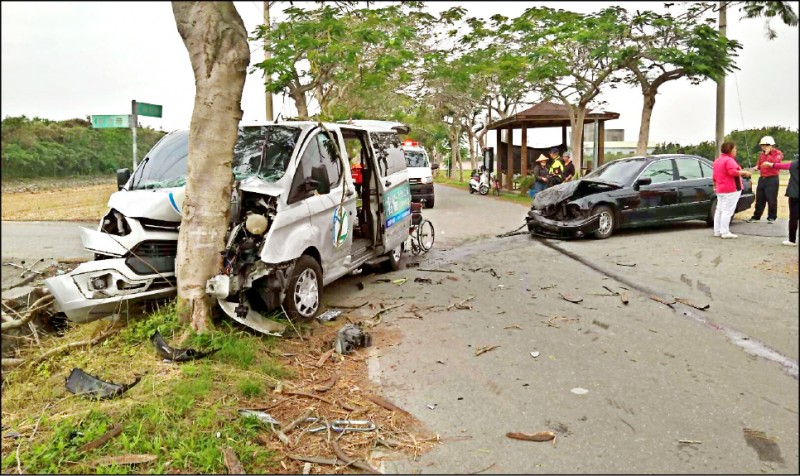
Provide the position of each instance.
(99, 288)
(541, 226)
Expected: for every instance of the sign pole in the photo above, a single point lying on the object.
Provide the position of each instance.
(134, 121)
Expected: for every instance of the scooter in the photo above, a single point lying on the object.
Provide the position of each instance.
(479, 182)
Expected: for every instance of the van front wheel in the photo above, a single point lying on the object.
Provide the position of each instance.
(304, 289)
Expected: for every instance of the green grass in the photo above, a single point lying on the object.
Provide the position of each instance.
(184, 414)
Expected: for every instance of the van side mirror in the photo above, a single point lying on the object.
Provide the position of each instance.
(642, 181)
(319, 174)
(123, 175)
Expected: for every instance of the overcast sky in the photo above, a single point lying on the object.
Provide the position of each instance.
(62, 60)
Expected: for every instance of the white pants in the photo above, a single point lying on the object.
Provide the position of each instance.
(726, 206)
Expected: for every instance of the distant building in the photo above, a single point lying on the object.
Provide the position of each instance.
(615, 143)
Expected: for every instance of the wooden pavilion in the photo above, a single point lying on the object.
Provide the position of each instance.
(544, 114)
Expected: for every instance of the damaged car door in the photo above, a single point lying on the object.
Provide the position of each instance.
(658, 193)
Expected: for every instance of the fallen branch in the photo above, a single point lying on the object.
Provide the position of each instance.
(696, 306)
(298, 420)
(484, 469)
(73, 345)
(324, 357)
(690, 442)
(37, 305)
(436, 270)
(460, 305)
(313, 459)
(385, 404)
(113, 432)
(486, 349)
(327, 385)
(309, 395)
(352, 462)
(232, 462)
(658, 299)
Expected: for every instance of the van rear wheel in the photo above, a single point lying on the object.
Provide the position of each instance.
(304, 289)
(393, 263)
(429, 203)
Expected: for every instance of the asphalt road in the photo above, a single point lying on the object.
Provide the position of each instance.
(635, 388)
(653, 376)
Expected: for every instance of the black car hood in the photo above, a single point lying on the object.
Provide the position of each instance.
(566, 190)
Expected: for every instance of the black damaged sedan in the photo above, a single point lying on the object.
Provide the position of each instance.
(627, 193)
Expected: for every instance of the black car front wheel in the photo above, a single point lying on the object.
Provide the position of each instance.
(607, 221)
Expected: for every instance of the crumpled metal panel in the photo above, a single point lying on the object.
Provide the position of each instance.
(81, 383)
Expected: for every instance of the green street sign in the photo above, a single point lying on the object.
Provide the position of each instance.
(144, 109)
(111, 121)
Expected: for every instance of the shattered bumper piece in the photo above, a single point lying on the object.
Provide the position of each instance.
(81, 383)
(176, 355)
(252, 319)
(99, 288)
(541, 226)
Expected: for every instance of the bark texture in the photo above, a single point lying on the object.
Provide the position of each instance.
(216, 40)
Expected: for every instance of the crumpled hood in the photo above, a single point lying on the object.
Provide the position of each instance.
(257, 185)
(159, 204)
(564, 191)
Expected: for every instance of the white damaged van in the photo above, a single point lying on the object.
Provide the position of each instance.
(297, 222)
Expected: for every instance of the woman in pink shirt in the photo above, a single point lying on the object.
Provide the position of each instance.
(728, 187)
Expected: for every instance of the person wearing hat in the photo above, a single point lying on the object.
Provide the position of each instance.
(540, 175)
(569, 167)
(555, 173)
(767, 189)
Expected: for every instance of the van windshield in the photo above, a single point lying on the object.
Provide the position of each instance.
(416, 158)
(165, 164)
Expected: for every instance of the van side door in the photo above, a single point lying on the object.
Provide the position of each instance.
(332, 205)
(395, 194)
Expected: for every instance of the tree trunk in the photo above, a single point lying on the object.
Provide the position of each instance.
(299, 97)
(649, 97)
(455, 149)
(472, 158)
(216, 39)
(576, 142)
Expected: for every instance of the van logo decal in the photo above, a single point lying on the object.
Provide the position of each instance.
(174, 205)
(341, 226)
(397, 204)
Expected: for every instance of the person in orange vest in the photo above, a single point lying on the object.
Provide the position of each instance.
(356, 172)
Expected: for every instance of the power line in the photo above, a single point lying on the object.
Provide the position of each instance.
(741, 114)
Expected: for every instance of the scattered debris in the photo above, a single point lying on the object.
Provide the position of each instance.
(399, 281)
(263, 417)
(341, 426)
(309, 395)
(549, 286)
(610, 290)
(324, 357)
(626, 263)
(386, 404)
(662, 301)
(125, 459)
(579, 391)
(12, 434)
(231, 461)
(349, 306)
(570, 297)
(513, 326)
(412, 264)
(432, 406)
(484, 469)
(493, 273)
(176, 355)
(375, 319)
(690, 442)
(107, 436)
(81, 383)
(436, 270)
(696, 306)
(549, 322)
(382, 280)
(623, 296)
(485, 349)
(452, 278)
(600, 324)
(461, 305)
(349, 460)
(350, 337)
(328, 384)
(535, 354)
(539, 436)
(329, 315)
(313, 459)
(307, 468)
(423, 280)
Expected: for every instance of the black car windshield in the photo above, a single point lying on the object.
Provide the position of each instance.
(415, 158)
(619, 172)
(165, 165)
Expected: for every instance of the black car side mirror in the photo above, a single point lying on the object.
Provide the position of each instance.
(123, 175)
(642, 181)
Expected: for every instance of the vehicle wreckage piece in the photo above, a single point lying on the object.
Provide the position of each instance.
(81, 383)
(176, 355)
(350, 337)
(566, 210)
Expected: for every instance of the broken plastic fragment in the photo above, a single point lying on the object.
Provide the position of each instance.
(81, 383)
(579, 391)
(263, 417)
(349, 337)
(176, 355)
(329, 315)
(534, 354)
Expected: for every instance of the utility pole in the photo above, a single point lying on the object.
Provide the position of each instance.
(134, 121)
(720, 130)
(267, 55)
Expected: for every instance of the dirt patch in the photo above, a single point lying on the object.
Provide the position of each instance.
(78, 203)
